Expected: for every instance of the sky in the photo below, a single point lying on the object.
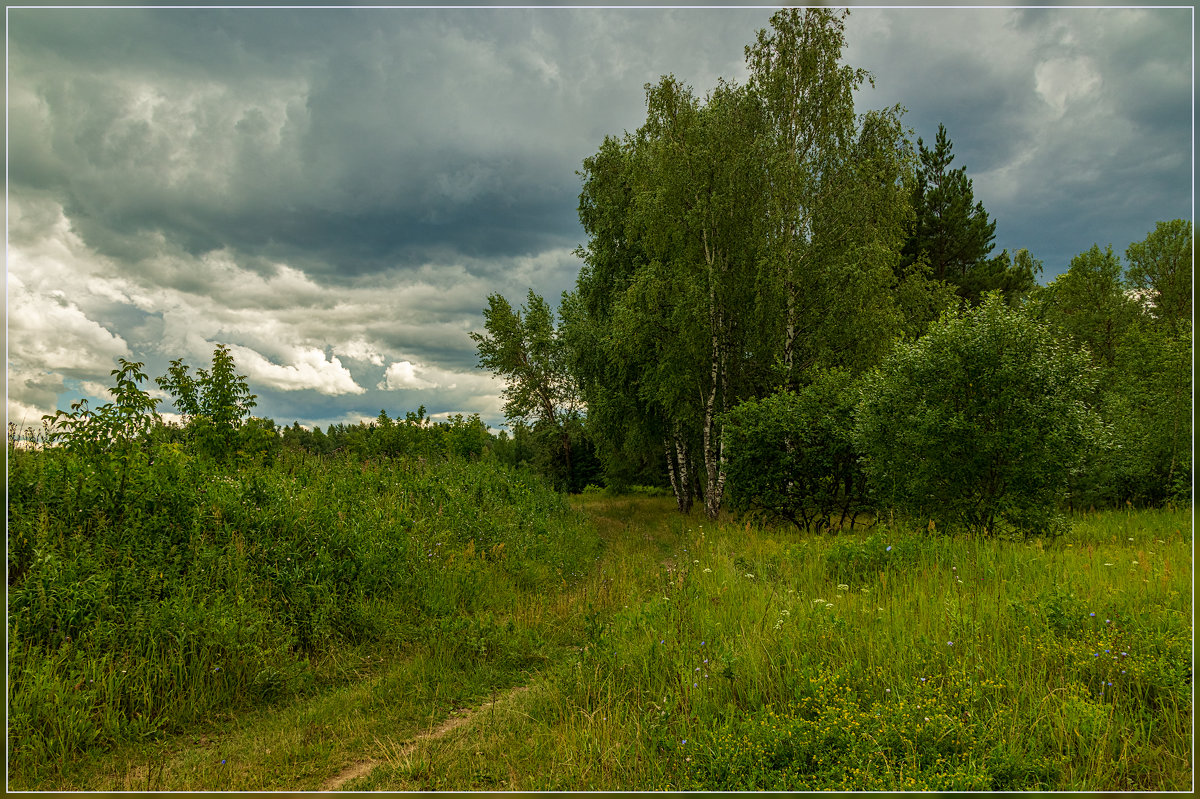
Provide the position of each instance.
(333, 193)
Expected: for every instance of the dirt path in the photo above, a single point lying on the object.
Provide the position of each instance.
(457, 719)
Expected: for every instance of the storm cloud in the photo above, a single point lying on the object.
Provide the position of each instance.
(333, 193)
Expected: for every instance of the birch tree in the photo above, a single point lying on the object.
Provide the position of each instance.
(806, 97)
(697, 200)
(525, 348)
(737, 244)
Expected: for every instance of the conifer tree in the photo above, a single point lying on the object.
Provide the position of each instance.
(951, 231)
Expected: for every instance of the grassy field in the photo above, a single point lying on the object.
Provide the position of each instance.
(691, 655)
(732, 657)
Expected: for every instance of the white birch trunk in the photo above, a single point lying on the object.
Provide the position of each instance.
(685, 484)
(678, 474)
(713, 454)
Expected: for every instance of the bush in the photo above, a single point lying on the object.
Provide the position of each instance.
(1148, 403)
(792, 456)
(979, 424)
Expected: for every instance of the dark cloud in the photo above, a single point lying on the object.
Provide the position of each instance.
(1074, 123)
(357, 140)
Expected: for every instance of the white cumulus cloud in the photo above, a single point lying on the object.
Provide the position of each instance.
(403, 374)
(308, 369)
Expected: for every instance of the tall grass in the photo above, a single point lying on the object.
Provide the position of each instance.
(733, 656)
(210, 589)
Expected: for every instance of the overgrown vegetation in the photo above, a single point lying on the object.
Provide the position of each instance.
(149, 603)
(155, 581)
(741, 657)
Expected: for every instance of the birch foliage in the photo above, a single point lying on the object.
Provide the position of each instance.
(737, 245)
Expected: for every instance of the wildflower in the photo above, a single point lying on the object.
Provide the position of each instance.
(708, 571)
(887, 690)
(222, 761)
(1093, 615)
(843, 587)
(922, 679)
(1134, 562)
(818, 601)
(949, 643)
(751, 576)
(1131, 539)
(701, 643)
(889, 549)
(1106, 564)
(828, 605)
(684, 741)
(1108, 621)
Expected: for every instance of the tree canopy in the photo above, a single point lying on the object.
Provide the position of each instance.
(735, 245)
(758, 253)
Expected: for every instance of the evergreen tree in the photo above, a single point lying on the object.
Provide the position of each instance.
(951, 232)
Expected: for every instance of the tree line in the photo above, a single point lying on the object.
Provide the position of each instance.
(777, 293)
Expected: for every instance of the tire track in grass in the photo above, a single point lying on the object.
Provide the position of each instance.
(457, 718)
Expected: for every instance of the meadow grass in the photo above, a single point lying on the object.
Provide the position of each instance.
(659, 651)
(736, 656)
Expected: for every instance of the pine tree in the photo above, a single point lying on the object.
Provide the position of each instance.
(951, 231)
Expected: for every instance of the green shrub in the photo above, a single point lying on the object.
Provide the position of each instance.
(791, 455)
(978, 424)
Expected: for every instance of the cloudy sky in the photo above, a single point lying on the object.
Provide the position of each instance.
(333, 193)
